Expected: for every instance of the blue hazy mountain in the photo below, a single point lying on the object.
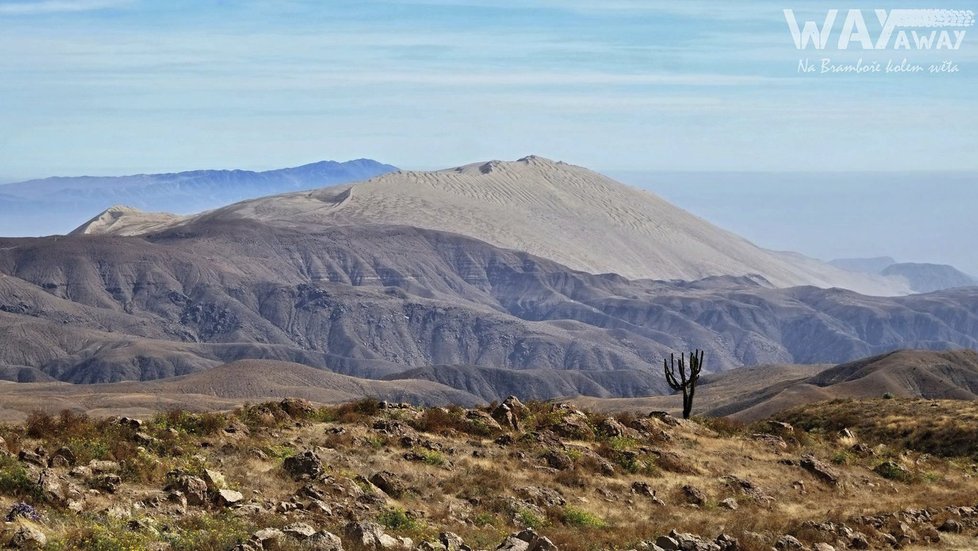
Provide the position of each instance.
(59, 204)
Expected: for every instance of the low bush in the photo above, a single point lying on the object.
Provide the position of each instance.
(579, 518)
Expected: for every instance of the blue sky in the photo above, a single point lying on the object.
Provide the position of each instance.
(124, 86)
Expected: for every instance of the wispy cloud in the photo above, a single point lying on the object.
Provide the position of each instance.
(57, 6)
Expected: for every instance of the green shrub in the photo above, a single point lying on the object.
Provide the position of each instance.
(529, 519)
(16, 481)
(432, 457)
(397, 519)
(580, 518)
(842, 458)
(892, 471)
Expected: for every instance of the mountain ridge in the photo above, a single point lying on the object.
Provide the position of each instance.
(58, 204)
(551, 209)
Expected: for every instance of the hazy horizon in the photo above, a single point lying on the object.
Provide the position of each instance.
(912, 216)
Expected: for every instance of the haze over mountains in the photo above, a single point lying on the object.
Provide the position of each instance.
(922, 277)
(56, 205)
(352, 280)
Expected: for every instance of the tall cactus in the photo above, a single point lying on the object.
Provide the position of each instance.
(685, 381)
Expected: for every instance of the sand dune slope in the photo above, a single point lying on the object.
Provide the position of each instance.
(562, 212)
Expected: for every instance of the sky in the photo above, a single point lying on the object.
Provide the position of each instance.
(657, 91)
(122, 86)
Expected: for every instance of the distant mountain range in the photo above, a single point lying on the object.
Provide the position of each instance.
(922, 277)
(57, 205)
(367, 281)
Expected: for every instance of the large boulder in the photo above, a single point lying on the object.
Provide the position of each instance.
(388, 483)
(510, 413)
(215, 480)
(193, 488)
(370, 535)
(28, 537)
(304, 465)
(819, 470)
(229, 498)
(297, 408)
(693, 495)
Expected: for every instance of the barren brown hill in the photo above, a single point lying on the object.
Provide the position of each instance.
(221, 388)
(375, 300)
(761, 392)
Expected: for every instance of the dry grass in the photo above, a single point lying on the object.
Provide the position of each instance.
(463, 481)
(940, 427)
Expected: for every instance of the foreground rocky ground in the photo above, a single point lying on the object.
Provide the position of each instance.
(514, 477)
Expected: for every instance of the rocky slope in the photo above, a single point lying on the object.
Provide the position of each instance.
(372, 301)
(518, 477)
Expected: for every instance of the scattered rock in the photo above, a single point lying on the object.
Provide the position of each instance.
(772, 440)
(513, 543)
(297, 408)
(681, 541)
(134, 424)
(229, 498)
(787, 543)
(193, 488)
(102, 466)
(819, 470)
(665, 417)
(304, 465)
(32, 457)
(269, 538)
(106, 482)
(64, 457)
(543, 497)
(730, 503)
(862, 450)
(509, 413)
(558, 460)
(215, 480)
(727, 543)
(543, 544)
(693, 495)
(388, 483)
(951, 526)
(822, 547)
(482, 421)
(370, 535)
(28, 537)
(612, 428)
(573, 423)
(299, 531)
(325, 541)
(453, 542)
